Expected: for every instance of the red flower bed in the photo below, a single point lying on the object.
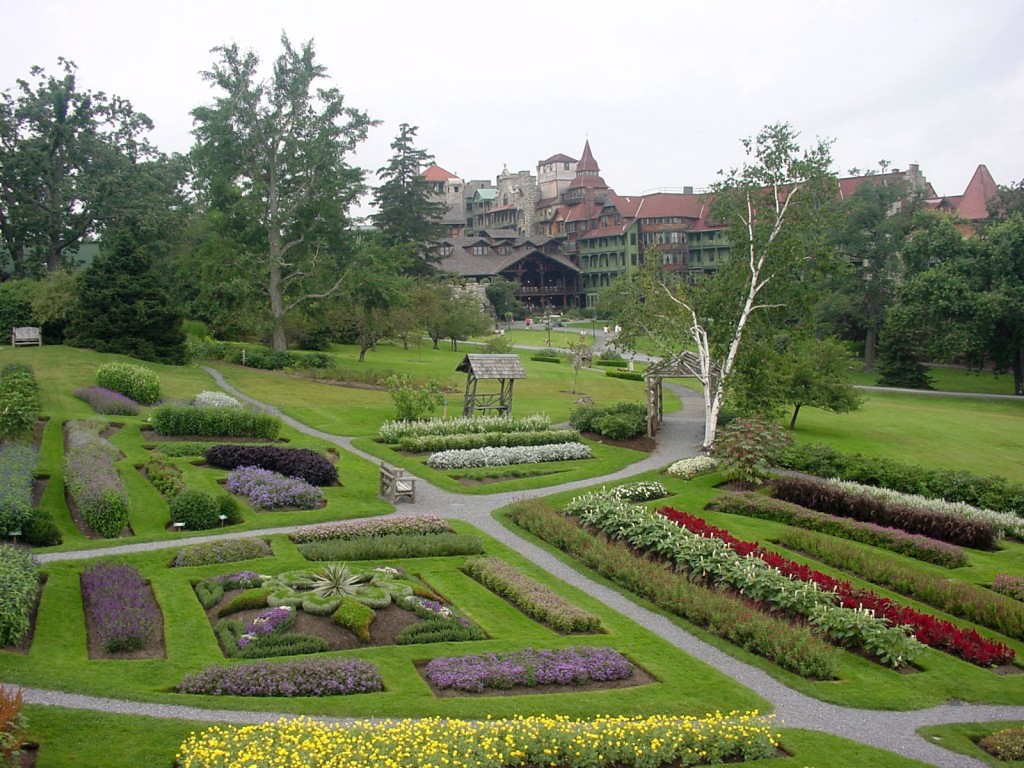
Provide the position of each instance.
(935, 633)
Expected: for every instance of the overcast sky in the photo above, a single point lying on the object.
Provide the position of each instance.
(663, 90)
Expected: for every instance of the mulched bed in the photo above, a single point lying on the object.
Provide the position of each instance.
(639, 677)
(156, 648)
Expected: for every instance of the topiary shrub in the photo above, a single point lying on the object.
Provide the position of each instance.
(198, 510)
(134, 381)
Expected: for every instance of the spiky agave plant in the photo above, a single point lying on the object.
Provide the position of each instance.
(338, 580)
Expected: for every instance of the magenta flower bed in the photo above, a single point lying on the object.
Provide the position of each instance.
(120, 606)
(271, 490)
(529, 667)
(266, 623)
(316, 677)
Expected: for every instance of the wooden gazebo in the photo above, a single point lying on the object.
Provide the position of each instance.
(505, 369)
(684, 365)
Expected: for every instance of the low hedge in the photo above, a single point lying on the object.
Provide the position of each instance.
(630, 375)
(822, 496)
(545, 359)
(92, 479)
(200, 511)
(393, 547)
(435, 443)
(211, 421)
(893, 539)
(224, 551)
(987, 492)
(291, 462)
(612, 363)
(133, 381)
(260, 357)
(347, 530)
(19, 583)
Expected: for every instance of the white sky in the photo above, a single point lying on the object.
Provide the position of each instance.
(664, 90)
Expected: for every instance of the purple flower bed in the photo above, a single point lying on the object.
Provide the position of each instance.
(108, 401)
(291, 462)
(270, 490)
(317, 677)
(361, 529)
(266, 623)
(120, 606)
(529, 667)
(1011, 586)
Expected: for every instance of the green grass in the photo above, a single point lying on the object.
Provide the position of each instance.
(962, 738)
(951, 380)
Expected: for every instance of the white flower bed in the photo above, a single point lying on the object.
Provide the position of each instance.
(1005, 523)
(500, 457)
(639, 491)
(393, 431)
(216, 400)
(690, 468)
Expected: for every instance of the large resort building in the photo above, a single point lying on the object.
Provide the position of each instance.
(562, 234)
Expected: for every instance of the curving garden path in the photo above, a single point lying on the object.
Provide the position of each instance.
(678, 437)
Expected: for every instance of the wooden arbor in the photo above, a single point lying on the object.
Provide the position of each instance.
(685, 365)
(503, 368)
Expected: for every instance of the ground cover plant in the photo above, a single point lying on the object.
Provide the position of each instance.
(893, 539)
(272, 490)
(302, 463)
(107, 401)
(630, 742)
(312, 677)
(92, 479)
(394, 546)
(223, 551)
(216, 400)
(532, 598)
(529, 667)
(361, 529)
(137, 382)
(120, 607)
(19, 584)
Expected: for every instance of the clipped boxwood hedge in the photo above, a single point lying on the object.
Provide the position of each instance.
(631, 375)
(545, 358)
(135, 381)
(208, 421)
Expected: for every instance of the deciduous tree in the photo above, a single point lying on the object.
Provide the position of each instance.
(272, 159)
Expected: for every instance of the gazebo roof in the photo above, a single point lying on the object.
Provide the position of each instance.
(686, 364)
(493, 366)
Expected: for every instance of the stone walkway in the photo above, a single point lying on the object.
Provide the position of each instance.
(679, 437)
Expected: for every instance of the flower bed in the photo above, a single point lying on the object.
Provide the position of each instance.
(501, 457)
(627, 742)
(893, 539)
(292, 462)
(529, 667)
(467, 441)
(830, 498)
(933, 632)
(692, 467)
(19, 401)
(314, 677)
(792, 647)
(211, 421)
(216, 400)
(107, 401)
(393, 431)
(226, 551)
(272, 490)
(532, 598)
(361, 529)
(119, 604)
(19, 583)
(1011, 586)
(395, 547)
(17, 473)
(644, 490)
(92, 480)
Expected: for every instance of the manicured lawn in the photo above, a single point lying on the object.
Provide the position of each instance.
(952, 380)
(963, 738)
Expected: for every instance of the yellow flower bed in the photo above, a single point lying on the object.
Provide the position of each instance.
(643, 742)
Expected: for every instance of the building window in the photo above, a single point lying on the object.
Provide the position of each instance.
(565, 166)
(632, 259)
(479, 250)
(632, 238)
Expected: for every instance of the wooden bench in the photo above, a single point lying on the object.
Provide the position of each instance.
(396, 483)
(26, 335)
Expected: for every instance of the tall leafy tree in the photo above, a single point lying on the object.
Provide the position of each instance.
(272, 159)
(409, 214)
(374, 289)
(72, 163)
(775, 206)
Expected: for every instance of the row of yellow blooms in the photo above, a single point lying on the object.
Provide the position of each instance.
(643, 742)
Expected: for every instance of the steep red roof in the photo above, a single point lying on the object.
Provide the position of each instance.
(588, 181)
(664, 204)
(587, 162)
(980, 190)
(434, 172)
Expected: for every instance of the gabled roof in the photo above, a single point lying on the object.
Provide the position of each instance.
(487, 193)
(434, 172)
(493, 366)
(462, 261)
(587, 161)
(559, 158)
(981, 189)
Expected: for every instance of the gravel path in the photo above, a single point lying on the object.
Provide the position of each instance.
(679, 437)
